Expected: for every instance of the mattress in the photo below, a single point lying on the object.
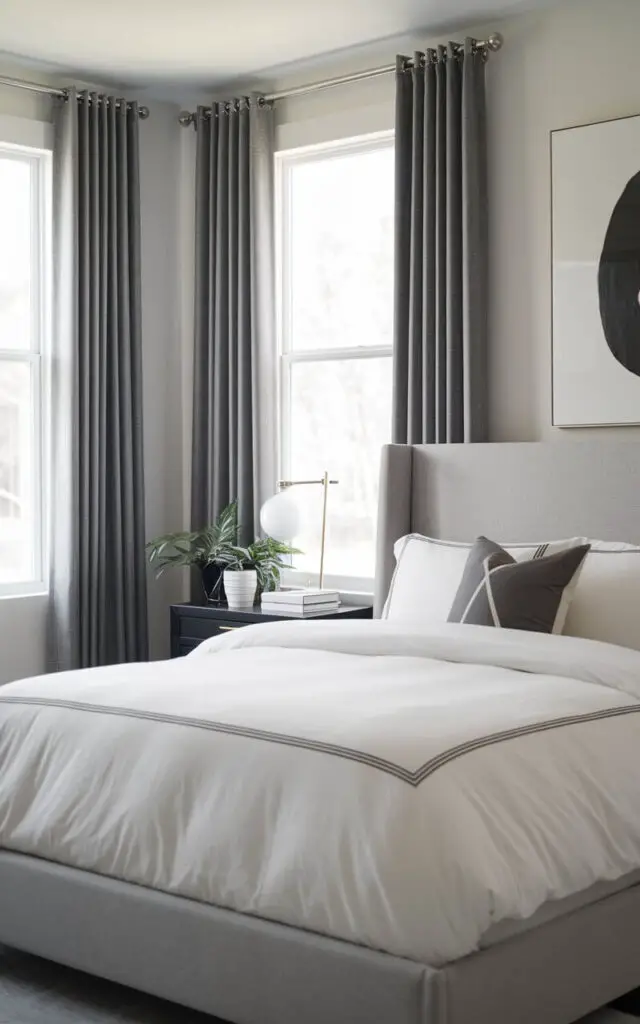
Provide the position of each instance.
(403, 789)
(552, 909)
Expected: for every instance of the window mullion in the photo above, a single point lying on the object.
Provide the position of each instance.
(19, 355)
(337, 354)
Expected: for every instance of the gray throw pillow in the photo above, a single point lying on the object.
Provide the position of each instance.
(495, 590)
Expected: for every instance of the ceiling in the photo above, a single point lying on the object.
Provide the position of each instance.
(189, 42)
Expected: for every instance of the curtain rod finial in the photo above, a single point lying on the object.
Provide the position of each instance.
(495, 41)
(185, 118)
(143, 113)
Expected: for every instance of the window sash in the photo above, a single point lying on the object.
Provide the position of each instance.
(287, 360)
(40, 162)
(286, 162)
(287, 354)
(36, 583)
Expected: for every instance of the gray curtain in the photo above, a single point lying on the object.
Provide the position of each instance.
(233, 308)
(98, 577)
(440, 338)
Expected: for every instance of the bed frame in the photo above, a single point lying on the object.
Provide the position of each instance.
(251, 971)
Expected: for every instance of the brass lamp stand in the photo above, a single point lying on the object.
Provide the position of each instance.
(324, 483)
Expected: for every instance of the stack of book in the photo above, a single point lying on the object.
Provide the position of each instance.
(300, 601)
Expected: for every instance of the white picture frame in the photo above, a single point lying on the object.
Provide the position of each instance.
(595, 215)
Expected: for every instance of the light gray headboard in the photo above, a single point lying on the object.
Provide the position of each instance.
(510, 492)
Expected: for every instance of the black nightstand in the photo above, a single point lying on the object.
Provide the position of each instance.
(192, 623)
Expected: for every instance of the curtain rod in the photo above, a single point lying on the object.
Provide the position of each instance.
(48, 90)
(493, 43)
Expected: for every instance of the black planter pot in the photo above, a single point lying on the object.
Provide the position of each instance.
(213, 583)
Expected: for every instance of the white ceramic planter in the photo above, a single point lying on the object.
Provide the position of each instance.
(240, 587)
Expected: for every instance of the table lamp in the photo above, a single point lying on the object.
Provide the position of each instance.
(280, 516)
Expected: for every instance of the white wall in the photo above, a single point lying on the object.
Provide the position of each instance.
(22, 620)
(19, 102)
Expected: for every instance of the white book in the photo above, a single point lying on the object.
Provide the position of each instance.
(302, 597)
(296, 609)
(331, 602)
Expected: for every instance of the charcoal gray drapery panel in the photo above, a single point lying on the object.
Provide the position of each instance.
(440, 337)
(98, 574)
(233, 306)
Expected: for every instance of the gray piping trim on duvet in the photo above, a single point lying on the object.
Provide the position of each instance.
(334, 750)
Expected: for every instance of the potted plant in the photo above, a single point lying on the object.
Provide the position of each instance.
(202, 549)
(240, 578)
(215, 548)
(249, 571)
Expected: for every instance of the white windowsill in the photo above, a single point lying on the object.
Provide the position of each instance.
(12, 591)
(353, 590)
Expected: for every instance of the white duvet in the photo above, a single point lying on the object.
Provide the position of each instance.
(399, 788)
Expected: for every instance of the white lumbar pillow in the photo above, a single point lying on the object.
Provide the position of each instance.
(606, 599)
(428, 573)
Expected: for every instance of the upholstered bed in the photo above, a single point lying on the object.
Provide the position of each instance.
(570, 957)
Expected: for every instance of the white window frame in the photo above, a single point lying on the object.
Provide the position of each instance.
(285, 162)
(32, 140)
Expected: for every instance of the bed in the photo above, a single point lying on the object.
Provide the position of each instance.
(573, 956)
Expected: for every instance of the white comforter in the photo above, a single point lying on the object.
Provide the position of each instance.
(398, 788)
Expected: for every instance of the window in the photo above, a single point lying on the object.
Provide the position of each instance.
(335, 260)
(24, 179)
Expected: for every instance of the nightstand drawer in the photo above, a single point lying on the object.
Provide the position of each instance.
(194, 627)
(186, 646)
(221, 627)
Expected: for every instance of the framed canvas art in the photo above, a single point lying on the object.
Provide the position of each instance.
(595, 171)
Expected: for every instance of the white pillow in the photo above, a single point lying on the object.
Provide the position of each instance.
(606, 599)
(428, 573)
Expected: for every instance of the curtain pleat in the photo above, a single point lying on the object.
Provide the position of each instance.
(98, 574)
(428, 390)
(416, 255)
(440, 337)
(403, 205)
(474, 240)
(455, 256)
(233, 317)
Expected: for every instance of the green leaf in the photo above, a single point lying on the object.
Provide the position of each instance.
(217, 544)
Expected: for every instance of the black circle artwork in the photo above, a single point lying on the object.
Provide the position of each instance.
(619, 279)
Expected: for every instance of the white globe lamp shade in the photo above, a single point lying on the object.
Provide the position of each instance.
(280, 517)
